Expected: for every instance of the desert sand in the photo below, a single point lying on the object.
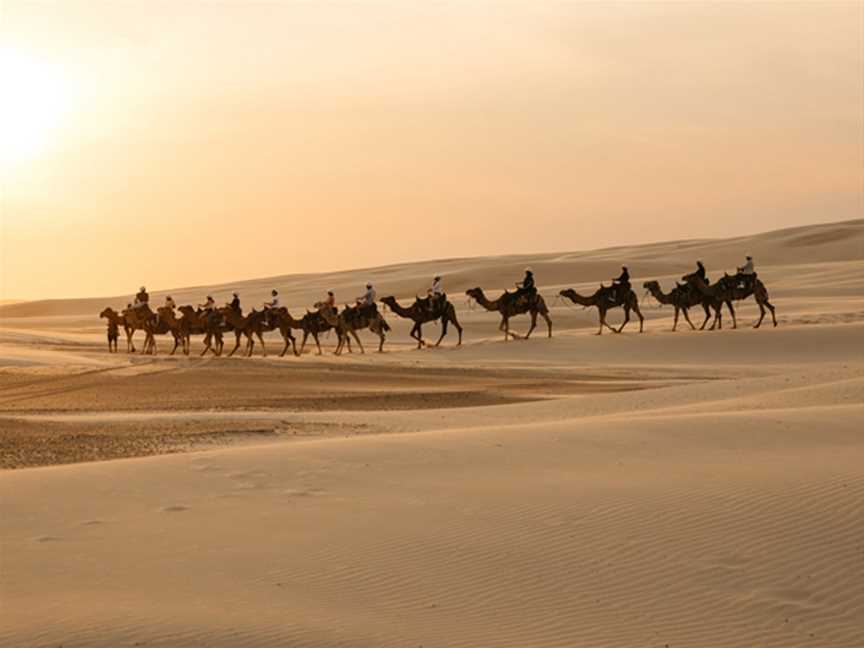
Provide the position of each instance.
(688, 489)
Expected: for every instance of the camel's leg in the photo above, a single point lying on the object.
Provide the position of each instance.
(207, 340)
(303, 342)
(416, 334)
(602, 315)
(533, 324)
(237, 343)
(285, 348)
(294, 345)
(761, 315)
(675, 321)
(176, 343)
(317, 343)
(626, 319)
(771, 308)
(380, 340)
(444, 321)
(458, 328)
(263, 348)
(357, 337)
(250, 345)
(639, 315)
(545, 315)
(687, 317)
(707, 310)
(732, 310)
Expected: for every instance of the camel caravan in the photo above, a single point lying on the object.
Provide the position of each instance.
(214, 322)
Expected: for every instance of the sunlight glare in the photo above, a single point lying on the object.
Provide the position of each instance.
(36, 98)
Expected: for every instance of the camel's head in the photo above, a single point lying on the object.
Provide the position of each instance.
(108, 312)
(475, 293)
(651, 285)
(566, 292)
(389, 300)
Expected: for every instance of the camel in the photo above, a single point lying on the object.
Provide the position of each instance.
(197, 323)
(682, 298)
(728, 290)
(508, 306)
(115, 321)
(249, 325)
(280, 318)
(165, 323)
(419, 312)
(351, 320)
(118, 320)
(136, 318)
(313, 323)
(605, 298)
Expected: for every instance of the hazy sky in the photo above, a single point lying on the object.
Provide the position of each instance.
(183, 143)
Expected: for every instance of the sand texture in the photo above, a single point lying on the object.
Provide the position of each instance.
(688, 489)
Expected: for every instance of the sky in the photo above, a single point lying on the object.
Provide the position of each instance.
(183, 143)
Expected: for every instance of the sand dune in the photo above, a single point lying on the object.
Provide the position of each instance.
(665, 489)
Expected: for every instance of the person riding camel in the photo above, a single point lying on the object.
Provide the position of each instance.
(208, 305)
(141, 298)
(274, 300)
(368, 298)
(436, 294)
(169, 303)
(700, 272)
(330, 302)
(746, 273)
(234, 304)
(621, 284)
(526, 289)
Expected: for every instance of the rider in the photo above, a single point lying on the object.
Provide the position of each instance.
(526, 288)
(436, 293)
(621, 284)
(746, 273)
(208, 305)
(368, 298)
(234, 304)
(169, 303)
(331, 300)
(274, 300)
(700, 272)
(141, 298)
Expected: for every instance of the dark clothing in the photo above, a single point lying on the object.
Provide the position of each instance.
(142, 297)
(624, 278)
(527, 288)
(235, 304)
(700, 272)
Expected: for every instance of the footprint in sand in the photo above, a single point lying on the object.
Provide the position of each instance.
(92, 523)
(176, 508)
(48, 539)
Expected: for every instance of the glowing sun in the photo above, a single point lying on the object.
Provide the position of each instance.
(35, 100)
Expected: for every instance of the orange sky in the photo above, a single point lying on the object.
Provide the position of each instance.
(182, 143)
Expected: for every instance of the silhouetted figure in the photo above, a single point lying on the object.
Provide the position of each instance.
(141, 298)
(234, 304)
(527, 289)
(621, 285)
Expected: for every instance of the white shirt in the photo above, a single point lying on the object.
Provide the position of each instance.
(747, 268)
(437, 287)
(369, 297)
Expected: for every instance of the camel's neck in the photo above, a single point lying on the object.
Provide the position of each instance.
(400, 310)
(660, 296)
(485, 303)
(582, 300)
